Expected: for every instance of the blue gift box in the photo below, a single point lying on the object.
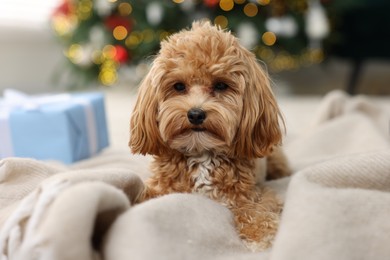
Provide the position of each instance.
(68, 129)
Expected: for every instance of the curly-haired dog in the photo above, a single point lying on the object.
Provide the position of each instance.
(206, 112)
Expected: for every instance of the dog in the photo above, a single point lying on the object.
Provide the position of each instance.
(206, 112)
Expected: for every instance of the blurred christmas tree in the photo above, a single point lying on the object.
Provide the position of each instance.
(100, 36)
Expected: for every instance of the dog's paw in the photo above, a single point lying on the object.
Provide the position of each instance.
(259, 246)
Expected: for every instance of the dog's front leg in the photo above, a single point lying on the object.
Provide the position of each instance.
(149, 192)
(257, 218)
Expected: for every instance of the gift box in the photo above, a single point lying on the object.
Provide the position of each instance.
(65, 127)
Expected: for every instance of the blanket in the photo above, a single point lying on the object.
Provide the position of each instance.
(337, 203)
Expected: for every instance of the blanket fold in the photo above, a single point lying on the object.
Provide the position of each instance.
(68, 213)
(338, 209)
(342, 125)
(18, 178)
(175, 227)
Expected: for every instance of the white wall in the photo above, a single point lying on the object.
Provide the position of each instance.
(29, 53)
(28, 59)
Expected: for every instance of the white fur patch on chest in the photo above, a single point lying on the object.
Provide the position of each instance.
(204, 165)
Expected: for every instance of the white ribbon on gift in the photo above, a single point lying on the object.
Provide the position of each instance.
(14, 99)
(91, 124)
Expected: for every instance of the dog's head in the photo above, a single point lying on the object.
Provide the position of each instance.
(205, 92)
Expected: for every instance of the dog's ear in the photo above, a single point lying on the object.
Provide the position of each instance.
(259, 129)
(144, 134)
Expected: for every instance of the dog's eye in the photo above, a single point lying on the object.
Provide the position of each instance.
(179, 87)
(220, 86)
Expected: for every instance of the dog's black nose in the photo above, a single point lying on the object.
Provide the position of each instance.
(196, 116)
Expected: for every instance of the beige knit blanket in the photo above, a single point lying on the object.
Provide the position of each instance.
(337, 204)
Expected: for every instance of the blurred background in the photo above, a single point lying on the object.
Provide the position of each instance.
(309, 46)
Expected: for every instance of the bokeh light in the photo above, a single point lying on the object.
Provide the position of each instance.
(269, 38)
(125, 9)
(108, 77)
(108, 71)
(119, 32)
(222, 21)
(134, 39)
(64, 25)
(109, 52)
(164, 35)
(84, 10)
(97, 57)
(74, 53)
(263, 2)
(226, 5)
(148, 36)
(266, 54)
(250, 9)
